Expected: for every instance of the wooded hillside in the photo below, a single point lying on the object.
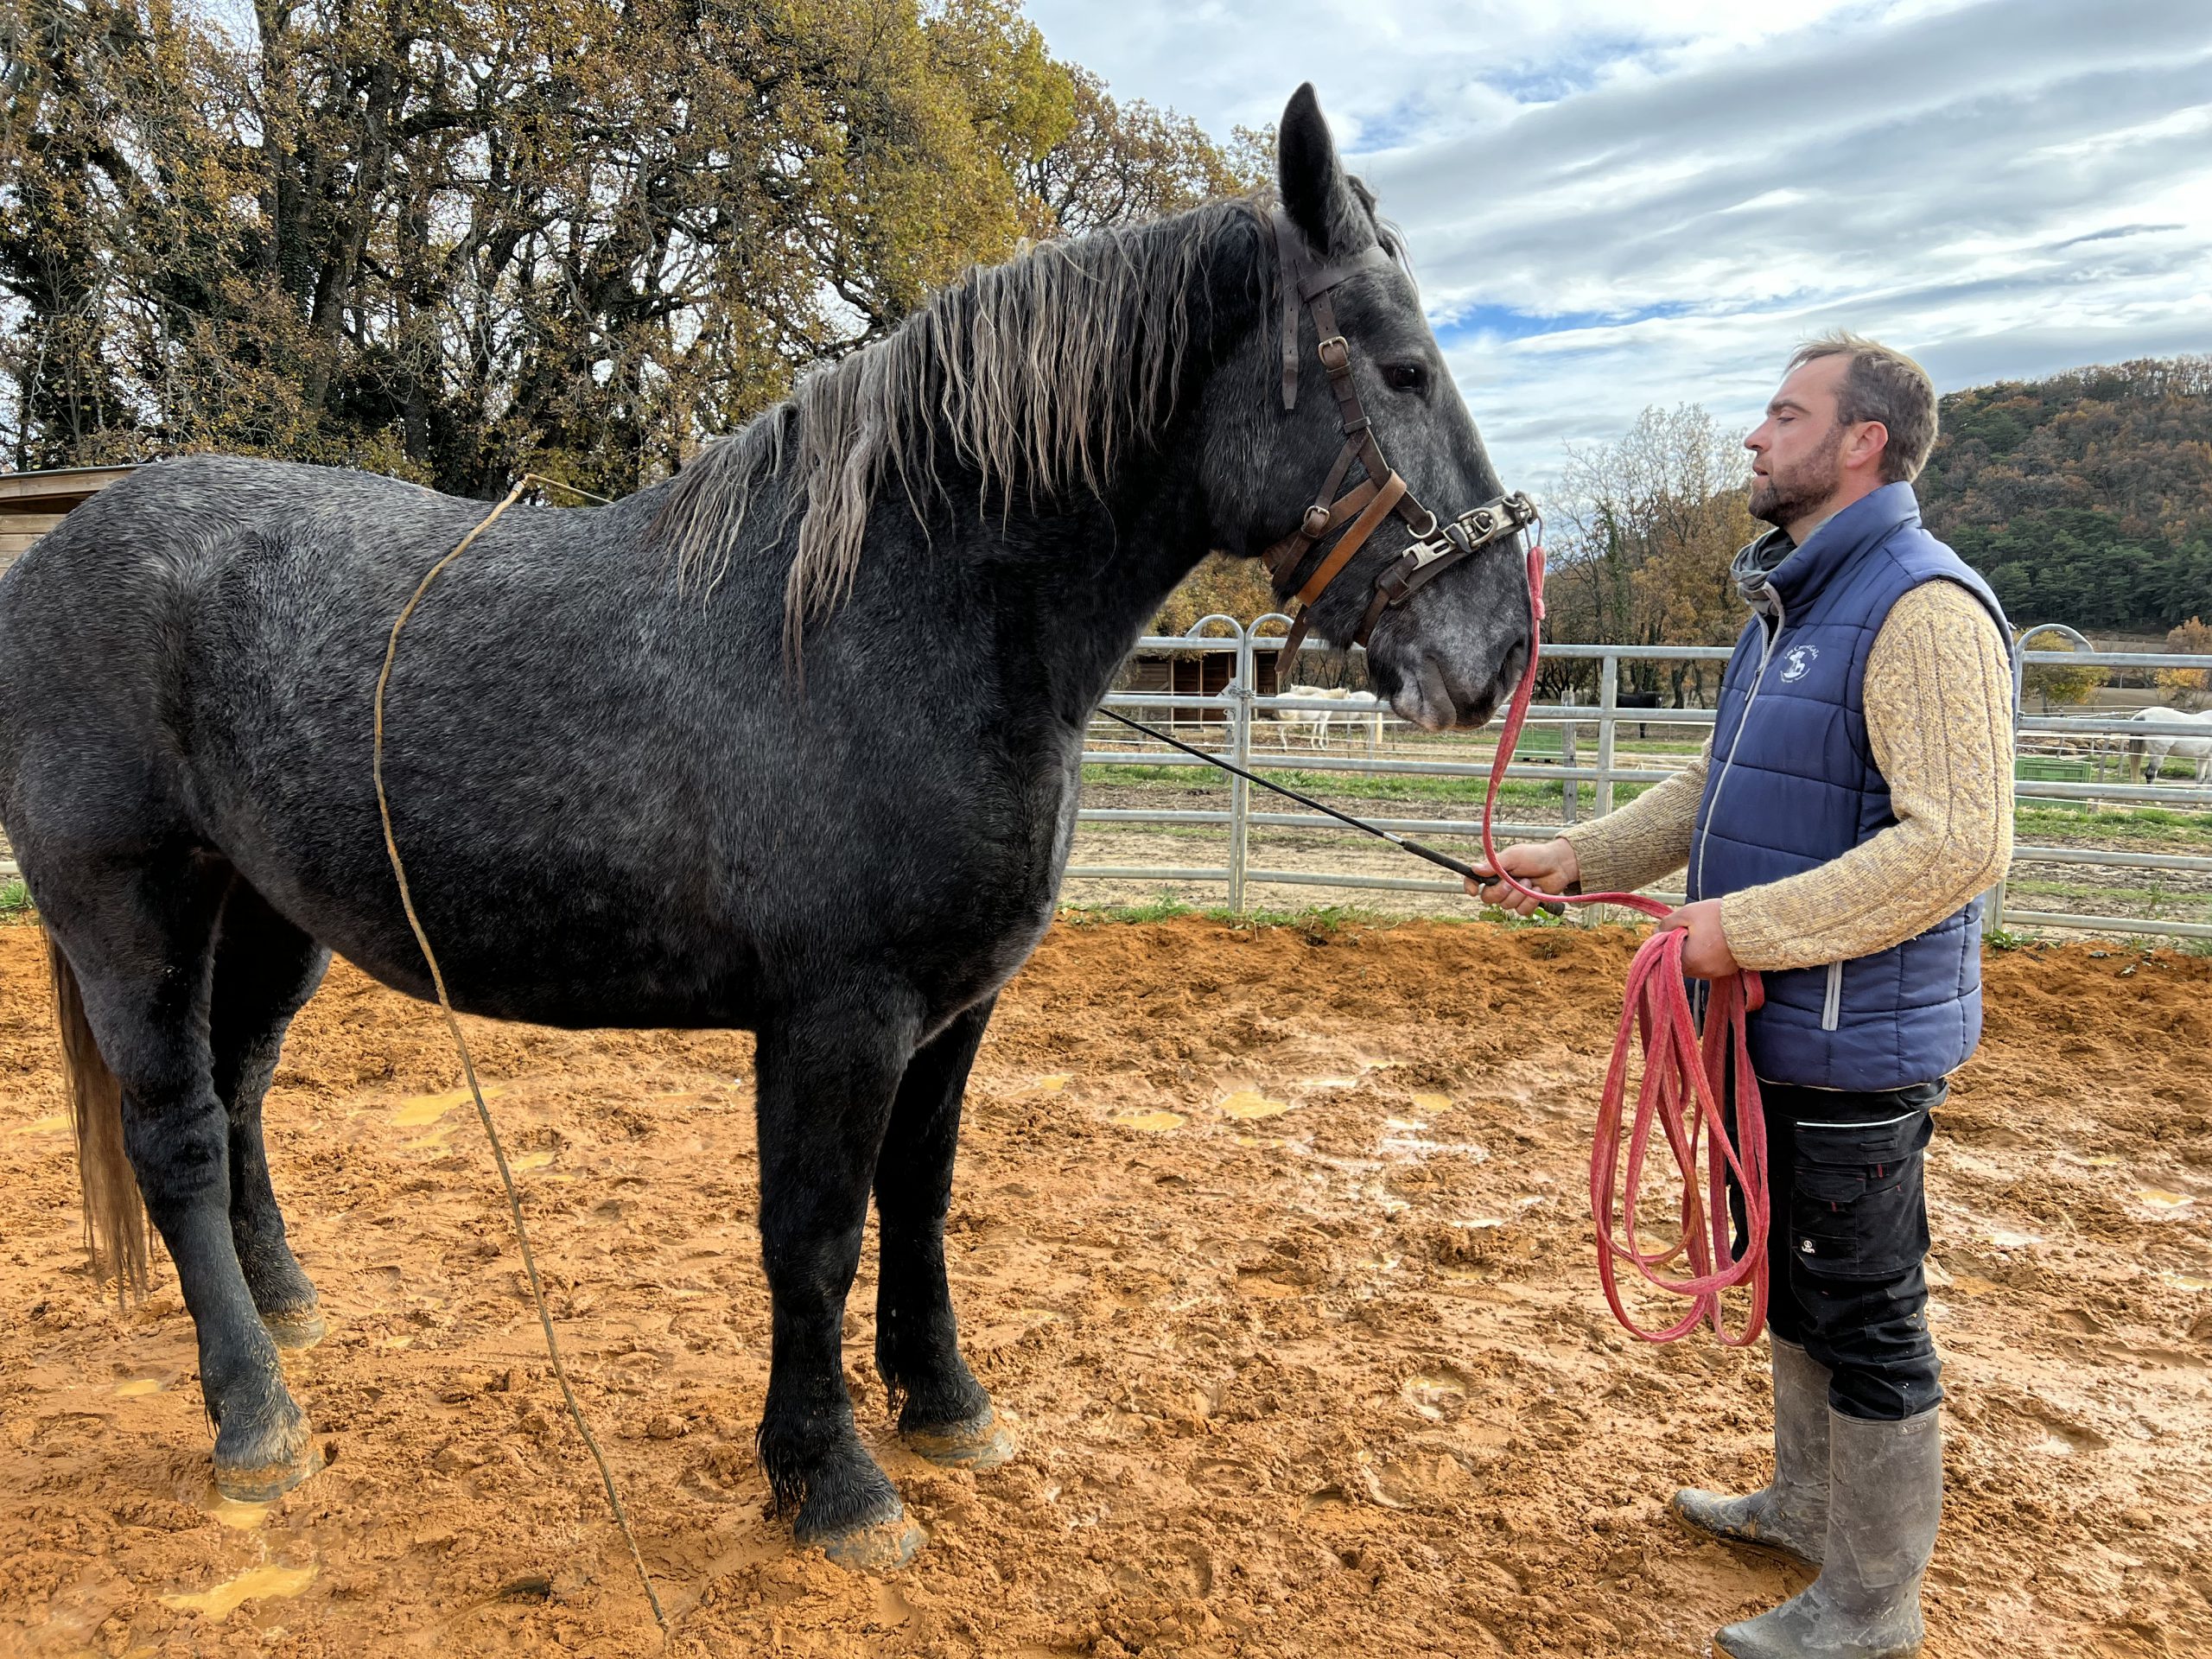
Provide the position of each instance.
(2085, 498)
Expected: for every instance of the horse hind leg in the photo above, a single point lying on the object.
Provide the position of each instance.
(135, 946)
(266, 970)
(945, 1414)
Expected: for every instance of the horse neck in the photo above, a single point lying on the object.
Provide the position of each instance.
(1073, 592)
(1085, 581)
(1070, 587)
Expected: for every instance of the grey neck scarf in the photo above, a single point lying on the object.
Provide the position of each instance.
(1757, 561)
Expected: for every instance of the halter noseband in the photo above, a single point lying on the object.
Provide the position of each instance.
(1356, 515)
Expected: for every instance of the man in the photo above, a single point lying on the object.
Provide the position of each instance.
(1856, 797)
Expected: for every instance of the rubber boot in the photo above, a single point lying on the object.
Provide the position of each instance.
(1788, 1516)
(1886, 1498)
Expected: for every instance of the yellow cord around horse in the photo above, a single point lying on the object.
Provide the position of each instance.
(461, 1041)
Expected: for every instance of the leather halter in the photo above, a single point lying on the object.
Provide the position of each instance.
(1355, 515)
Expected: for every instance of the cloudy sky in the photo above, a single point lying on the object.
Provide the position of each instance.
(1612, 203)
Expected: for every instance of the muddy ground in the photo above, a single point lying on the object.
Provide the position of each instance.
(1275, 1244)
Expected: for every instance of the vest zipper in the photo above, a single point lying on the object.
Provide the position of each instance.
(1766, 656)
(1831, 1010)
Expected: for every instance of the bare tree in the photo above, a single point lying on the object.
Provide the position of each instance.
(1647, 527)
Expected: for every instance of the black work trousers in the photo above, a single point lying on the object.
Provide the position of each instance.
(1849, 1233)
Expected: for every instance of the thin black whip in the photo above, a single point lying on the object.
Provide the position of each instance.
(1407, 843)
(1376, 829)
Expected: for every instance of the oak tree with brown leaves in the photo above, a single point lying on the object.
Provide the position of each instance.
(460, 239)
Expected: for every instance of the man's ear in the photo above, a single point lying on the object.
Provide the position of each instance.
(1867, 446)
(1315, 193)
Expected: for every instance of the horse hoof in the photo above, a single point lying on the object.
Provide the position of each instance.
(264, 1448)
(979, 1443)
(296, 1328)
(265, 1481)
(884, 1548)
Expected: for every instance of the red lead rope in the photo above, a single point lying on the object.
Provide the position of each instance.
(1685, 1076)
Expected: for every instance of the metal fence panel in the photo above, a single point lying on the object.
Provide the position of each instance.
(1240, 707)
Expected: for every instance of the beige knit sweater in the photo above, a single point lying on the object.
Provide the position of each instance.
(1938, 698)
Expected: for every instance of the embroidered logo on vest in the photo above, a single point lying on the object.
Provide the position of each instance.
(1797, 661)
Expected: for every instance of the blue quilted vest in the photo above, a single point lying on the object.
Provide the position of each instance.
(1793, 784)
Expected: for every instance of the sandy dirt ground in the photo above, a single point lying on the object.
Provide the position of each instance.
(1274, 1243)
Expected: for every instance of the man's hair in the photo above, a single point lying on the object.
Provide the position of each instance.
(1884, 385)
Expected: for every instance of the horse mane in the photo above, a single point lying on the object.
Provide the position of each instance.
(1036, 376)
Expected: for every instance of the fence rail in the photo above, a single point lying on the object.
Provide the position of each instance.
(1230, 720)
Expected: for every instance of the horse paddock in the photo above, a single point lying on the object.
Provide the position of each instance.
(1275, 1245)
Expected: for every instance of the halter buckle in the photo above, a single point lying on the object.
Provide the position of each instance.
(1335, 355)
(1316, 523)
(1485, 525)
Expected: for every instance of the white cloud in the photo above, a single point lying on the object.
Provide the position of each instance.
(1615, 203)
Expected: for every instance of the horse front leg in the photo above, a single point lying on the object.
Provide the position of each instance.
(828, 1075)
(943, 1413)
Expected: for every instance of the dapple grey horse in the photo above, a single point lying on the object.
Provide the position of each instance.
(789, 742)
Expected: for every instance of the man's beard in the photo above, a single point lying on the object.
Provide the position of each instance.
(1783, 497)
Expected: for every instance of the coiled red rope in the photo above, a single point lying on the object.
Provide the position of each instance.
(1686, 1076)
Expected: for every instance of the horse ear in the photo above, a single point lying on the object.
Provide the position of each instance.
(1315, 193)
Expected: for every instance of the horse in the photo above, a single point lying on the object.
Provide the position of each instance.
(1636, 700)
(2152, 751)
(790, 741)
(1313, 724)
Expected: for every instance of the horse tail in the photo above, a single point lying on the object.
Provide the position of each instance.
(2134, 748)
(114, 1214)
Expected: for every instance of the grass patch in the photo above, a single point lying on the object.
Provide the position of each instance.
(16, 903)
(1311, 919)
(1306, 918)
(2159, 827)
(1166, 908)
(1324, 918)
(1545, 739)
(2153, 898)
(1364, 786)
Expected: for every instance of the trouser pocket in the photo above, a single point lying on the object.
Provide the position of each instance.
(1858, 1209)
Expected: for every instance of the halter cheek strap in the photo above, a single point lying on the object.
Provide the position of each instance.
(1355, 515)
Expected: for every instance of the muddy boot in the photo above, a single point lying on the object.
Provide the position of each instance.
(1886, 1495)
(1788, 1516)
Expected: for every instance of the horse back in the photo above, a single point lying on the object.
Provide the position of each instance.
(620, 805)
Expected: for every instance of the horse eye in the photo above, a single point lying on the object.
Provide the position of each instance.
(1405, 376)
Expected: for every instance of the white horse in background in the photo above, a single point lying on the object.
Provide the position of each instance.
(1315, 722)
(2153, 751)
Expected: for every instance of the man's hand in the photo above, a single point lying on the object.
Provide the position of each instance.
(1547, 865)
(1705, 952)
